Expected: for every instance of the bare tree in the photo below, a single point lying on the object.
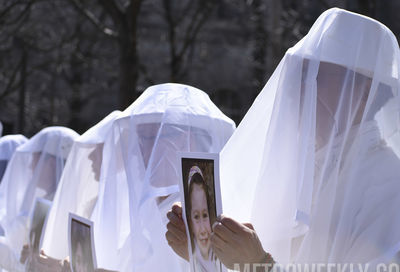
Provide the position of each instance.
(123, 16)
(260, 38)
(184, 20)
(367, 7)
(36, 52)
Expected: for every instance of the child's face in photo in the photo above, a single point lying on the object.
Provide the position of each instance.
(200, 220)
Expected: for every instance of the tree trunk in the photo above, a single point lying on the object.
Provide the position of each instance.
(259, 49)
(367, 7)
(275, 43)
(22, 93)
(128, 72)
(76, 100)
(129, 60)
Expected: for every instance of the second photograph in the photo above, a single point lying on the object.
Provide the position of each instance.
(202, 205)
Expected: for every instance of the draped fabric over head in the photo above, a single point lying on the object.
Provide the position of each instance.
(142, 172)
(78, 188)
(314, 163)
(8, 145)
(1, 129)
(33, 171)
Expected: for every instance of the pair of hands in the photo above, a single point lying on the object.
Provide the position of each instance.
(44, 263)
(232, 242)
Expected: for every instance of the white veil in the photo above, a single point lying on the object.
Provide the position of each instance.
(78, 188)
(8, 145)
(313, 162)
(33, 171)
(142, 173)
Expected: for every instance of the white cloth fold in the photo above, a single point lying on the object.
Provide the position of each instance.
(78, 189)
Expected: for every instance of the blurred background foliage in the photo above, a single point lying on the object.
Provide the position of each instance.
(71, 62)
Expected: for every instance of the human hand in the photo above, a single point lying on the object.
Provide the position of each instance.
(176, 234)
(43, 263)
(67, 267)
(237, 243)
(25, 252)
(49, 263)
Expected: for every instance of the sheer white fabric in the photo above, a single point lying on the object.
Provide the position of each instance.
(313, 164)
(78, 189)
(8, 145)
(140, 182)
(33, 171)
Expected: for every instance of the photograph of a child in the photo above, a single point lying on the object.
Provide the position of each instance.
(200, 211)
(40, 212)
(82, 257)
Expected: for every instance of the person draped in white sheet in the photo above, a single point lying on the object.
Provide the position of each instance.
(142, 173)
(76, 193)
(314, 163)
(33, 171)
(79, 186)
(8, 145)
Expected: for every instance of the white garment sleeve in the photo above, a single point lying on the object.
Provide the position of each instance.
(8, 260)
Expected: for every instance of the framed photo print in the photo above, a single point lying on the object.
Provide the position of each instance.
(81, 244)
(201, 195)
(40, 213)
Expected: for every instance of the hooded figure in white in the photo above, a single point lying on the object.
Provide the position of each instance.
(140, 182)
(8, 145)
(78, 189)
(33, 171)
(314, 165)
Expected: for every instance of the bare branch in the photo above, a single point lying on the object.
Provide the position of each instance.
(325, 4)
(132, 13)
(135, 6)
(145, 73)
(93, 19)
(8, 90)
(10, 7)
(113, 10)
(171, 26)
(185, 11)
(198, 21)
(35, 46)
(22, 14)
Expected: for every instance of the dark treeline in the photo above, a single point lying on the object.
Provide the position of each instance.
(71, 62)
